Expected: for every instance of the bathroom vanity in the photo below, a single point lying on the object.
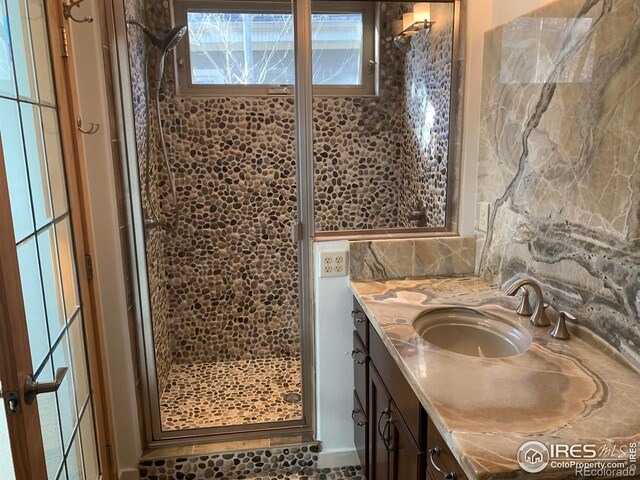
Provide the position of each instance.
(393, 435)
(421, 411)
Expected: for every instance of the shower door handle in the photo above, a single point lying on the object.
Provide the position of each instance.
(296, 232)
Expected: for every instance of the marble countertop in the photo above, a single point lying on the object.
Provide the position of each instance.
(576, 391)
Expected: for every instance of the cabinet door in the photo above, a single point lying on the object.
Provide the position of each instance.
(360, 432)
(407, 459)
(379, 402)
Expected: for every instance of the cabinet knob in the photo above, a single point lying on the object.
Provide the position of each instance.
(356, 315)
(356, 352)
(435, 452)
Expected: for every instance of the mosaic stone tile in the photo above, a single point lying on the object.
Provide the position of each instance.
(259, 463)
(151, 197)
(338, 473)
(425, 111)
(224, 282)
(240, 392)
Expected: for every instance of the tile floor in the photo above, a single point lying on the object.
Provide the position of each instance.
(343, 473)
(294, 462)
(201, 395)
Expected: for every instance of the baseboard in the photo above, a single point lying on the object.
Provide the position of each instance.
(129, 474)
(338, 458)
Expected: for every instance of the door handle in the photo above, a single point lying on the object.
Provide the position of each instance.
(383, 432)
(435, 452)
(357, 351)
(33, 388)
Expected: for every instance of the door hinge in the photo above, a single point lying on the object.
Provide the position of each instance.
(89, 264)
(65, 41)
(107, 447)
(296, 231)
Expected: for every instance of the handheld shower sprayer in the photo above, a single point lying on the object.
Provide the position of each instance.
(164, 45)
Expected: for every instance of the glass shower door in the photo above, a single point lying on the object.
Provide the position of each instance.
(223, 273)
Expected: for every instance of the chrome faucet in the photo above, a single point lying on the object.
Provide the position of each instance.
(538, 317)
(419, 215)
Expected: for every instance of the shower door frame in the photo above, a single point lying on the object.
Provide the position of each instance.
(302, 233)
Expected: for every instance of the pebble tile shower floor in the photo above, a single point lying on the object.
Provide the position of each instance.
(202, 395)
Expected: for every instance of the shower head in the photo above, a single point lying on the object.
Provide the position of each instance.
(172, 39)
(166, 44)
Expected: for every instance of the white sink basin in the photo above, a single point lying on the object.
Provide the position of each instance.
(470, 332)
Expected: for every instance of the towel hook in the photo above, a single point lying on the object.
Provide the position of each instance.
(68, 13)
(93, 127)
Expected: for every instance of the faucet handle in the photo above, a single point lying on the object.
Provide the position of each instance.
(544, 316)
(560, 331)
(524, 308)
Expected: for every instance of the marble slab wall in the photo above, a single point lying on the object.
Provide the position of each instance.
(419, 257)
(560, 161)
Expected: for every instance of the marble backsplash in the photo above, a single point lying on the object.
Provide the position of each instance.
(414, 257)
(559, 161)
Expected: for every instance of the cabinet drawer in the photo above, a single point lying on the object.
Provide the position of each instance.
(360, 367)
(360, 322)
(406, 400)
(360, 432)
(440, 457)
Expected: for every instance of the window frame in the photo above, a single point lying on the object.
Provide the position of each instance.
(370, 51)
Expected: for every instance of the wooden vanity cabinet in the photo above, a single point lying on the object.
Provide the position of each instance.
(360, 413)
(406, 457)
(392, 433)
(393, 452)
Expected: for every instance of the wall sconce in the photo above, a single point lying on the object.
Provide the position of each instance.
(413, 22)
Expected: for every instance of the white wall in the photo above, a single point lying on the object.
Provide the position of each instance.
(108, 267)
(334, 366)
(483, 15)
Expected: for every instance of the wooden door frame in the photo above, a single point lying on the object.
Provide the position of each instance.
(64, 73)
(15, 352)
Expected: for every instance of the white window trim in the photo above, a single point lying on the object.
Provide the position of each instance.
(369, 86)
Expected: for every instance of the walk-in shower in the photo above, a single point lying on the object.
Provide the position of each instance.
(251, 146)
(217, 177)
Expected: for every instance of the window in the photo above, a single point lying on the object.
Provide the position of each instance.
(247, 48)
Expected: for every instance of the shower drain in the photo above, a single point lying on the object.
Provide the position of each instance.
(292, 397)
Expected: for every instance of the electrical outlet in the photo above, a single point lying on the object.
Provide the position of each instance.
(334, 263)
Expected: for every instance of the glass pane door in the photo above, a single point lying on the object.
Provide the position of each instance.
(42, 229)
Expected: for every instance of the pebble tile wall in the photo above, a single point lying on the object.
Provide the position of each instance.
(155, 239)
(425, 115)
